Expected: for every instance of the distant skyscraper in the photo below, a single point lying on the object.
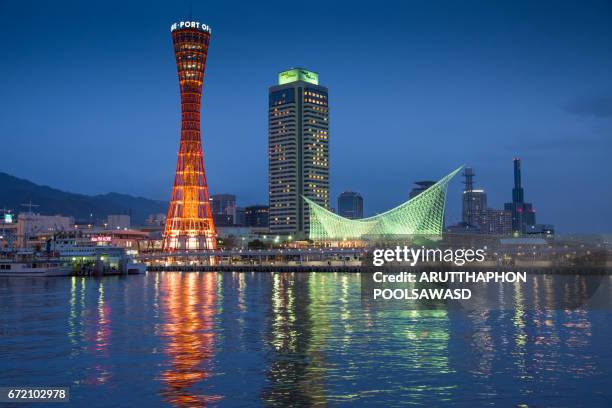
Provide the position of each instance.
(189, 224)
(298, 154)
(223, 209)
(256, 216)
(420, 187)
(240, 217)
(474, 201)
(498, 222)
(474, 206)
(476, 216)
(350, 205)
(523, 214)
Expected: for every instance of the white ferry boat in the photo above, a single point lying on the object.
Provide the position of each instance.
(23, 266)
(90, 250)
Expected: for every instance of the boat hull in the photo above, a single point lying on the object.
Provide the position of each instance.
(29, 273)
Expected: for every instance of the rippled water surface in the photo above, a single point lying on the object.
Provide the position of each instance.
(229, 339)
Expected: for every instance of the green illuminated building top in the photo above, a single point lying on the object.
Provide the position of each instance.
(298, 74)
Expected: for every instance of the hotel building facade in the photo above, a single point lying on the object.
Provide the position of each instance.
(298, 151)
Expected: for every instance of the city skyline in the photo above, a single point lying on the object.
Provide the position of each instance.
(557, 124)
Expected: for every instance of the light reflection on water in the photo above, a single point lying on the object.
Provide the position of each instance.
(188, 333)
(259, 339)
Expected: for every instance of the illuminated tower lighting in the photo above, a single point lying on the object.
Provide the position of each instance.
(189, 225)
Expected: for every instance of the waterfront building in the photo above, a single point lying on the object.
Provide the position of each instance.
(298, 153)
(189, 224)
(31, 226)
(256, 216)
(462, 228)
(543, 230)
(523, 214)
(420, 187)
(155, 220)
(236, 236)
(120, 221)
(350, 205)
(422, 215)
(8, 230)
(97, 236)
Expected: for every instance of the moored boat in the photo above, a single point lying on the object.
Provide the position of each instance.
(30, 265)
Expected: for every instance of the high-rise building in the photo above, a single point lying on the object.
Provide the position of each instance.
(474, 206)
(350, 205)
(476, 216)
(420, 187)
(523, 214)
(223, 203)
(256, 216)
(474, 202)
(223, 209)
(298, 153)
(189, 224)
(498, 222)
(240, 218)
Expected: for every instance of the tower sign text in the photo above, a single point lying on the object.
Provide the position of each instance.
(190, 24)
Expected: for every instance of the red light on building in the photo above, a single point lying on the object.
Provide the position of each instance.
(189, 224)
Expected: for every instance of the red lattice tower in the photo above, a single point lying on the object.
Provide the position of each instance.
(189, 224)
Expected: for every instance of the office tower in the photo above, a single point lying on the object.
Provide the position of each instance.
(223, 209)
(523, 214)
(298, 153)
(420, 187)
(256, 216)
(474, 206)
(189, 224)
(497, 222)
(239, 218)
(223, 203)
(350, 205)
(474, 201)
(468, 198)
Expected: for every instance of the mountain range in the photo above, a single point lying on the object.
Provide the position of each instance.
(15, 191)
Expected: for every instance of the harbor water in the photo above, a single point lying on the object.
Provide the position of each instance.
(291, 339)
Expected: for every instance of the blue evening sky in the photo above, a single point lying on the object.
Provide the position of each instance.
(90, 103)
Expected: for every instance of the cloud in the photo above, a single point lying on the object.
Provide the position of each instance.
(597, 106)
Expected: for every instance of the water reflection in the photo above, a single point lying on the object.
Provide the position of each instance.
(189, 306)
(289, 334)
(197, 339)
(532, 342)
(89, 329)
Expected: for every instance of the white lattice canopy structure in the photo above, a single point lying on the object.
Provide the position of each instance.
(421, 215)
